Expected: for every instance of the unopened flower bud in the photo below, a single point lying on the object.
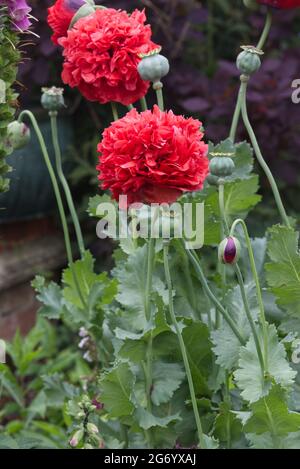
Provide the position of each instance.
(153, 66)
(53, 98)
(82, 12)
(91, 428)
(18, 135)
(88, 357)
(248, 61)
(83, 332)
(76, 438)
(229, 251)
(83, 342)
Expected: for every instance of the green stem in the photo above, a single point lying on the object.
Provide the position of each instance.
(182, 348)
(124, 435)
(257, 284)
(266, 31)
(114, 111)
(241, 281)
(148, 315)
(160, 98)
(64, 183)
(57, 196)
(250, 318)
(238, 107)
(144, 104)
(130, 107)
(198, 269)
(222, 266)
(259, 155)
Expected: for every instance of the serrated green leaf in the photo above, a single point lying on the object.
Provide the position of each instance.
(50, 296)
(271, 414)
(11, 385)
(116, 388)
(228, 428)
(249, 376)
(283, 272)
(147, 420)
(167, 377)
(227, 347)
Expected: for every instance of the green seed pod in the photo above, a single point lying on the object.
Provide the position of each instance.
(221, 166)
(18, 135)
(212, 180)
(153, 67)
(248, 61)
(52, 98)
(229, 251)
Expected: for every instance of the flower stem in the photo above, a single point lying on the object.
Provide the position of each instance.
(148, 315)
(114, 111)
(241, 281)
(160, 99)
(196, 264)
(258, 153)
(238, 107)
(144, 104)
(266, 30)
(57, 196)
(257, 284)
(182, 347)
(64, 183)
(250, 318)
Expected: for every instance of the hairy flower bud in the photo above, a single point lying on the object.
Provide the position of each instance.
(229, 250)
(153, 66)
(18, 135)
(82, 12)
(76, 438)
(91, 428)
(53, 98)
(248, 61)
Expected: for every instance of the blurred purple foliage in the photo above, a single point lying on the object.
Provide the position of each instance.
(202, 40)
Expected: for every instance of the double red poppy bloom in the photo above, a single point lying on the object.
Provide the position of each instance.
(153, 157)
(102, 53)
(284, 4)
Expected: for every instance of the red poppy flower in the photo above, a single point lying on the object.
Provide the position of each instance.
(102, 54)
(153, 157)
(284, 4)
(60, 16)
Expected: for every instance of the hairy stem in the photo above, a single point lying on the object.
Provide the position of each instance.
(114, 111)
(198, 269)
(182, 348)
(241, 282)
(57, 196)
(257, 284)
(258, 153)
(238, 107)
(64, 183)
